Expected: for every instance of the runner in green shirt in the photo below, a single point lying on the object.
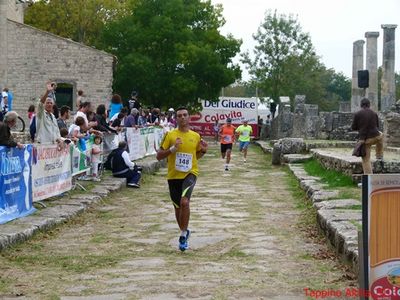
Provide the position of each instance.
(244, 132)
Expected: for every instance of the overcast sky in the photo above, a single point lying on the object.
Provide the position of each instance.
(332, 25)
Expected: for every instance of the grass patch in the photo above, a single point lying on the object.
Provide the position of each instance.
(331, 177)
(359, 207)
(235, 253)
(357, 224)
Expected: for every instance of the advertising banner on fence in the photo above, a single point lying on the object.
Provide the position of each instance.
(51, 171)
(383, 235)
(237, 109)
(15, 183)
(143, 141)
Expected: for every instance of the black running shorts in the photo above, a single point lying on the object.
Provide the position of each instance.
(179, 188)
(225, 147)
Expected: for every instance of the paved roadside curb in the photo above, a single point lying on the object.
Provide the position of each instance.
(65, 208)
(334, 216)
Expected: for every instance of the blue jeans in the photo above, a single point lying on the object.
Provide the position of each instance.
(132, 176)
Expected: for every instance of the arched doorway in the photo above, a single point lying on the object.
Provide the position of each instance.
(65, 94)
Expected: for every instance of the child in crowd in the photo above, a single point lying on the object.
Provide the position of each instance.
(64, 133)
(31, 112)
(96, 152)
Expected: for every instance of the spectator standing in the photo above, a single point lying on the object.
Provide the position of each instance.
(123, 111)
(171, 117)
(78, 133)
(3, 105)
(79, 99)
(6, 138)
(163, 120)
(64, 116)
(133, 119)
(143, 118)
(101, 119)
(116, 124)
(46, 124)
(182, 147)
(155, 116)
(82, 112)
(10, 98)
(134, 102)
(115, 105)
(268, 126)
(366, 121)
(95, 157)
(31, 112)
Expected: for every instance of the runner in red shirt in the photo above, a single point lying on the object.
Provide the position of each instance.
(227, 134)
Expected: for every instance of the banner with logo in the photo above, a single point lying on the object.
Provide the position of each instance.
(383, 224)
(15, 183)
(143, 141)
(237, 109)
(51, 171)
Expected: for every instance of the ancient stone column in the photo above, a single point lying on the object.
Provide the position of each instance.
(3, 39)
(358, 64)
(388, 87)
(372, 67)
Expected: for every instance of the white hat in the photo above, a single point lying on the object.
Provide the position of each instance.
(4, 94)
(171, 109)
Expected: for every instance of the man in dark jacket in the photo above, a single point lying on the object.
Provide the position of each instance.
(122, 167)
(6, 138)
(366, 121)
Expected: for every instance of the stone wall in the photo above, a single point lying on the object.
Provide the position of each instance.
(34, 56)
(306, 122)
(15, 11)
(392, 132)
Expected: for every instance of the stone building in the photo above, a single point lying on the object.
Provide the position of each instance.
(29, 57)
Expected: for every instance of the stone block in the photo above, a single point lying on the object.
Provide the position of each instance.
(334, 204)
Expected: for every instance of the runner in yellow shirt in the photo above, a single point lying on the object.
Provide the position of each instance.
(244, 132)
(182, 147)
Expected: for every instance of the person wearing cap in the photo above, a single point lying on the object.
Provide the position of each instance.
(171, 118)
(244, 132)
(6, 138)
(227, 135)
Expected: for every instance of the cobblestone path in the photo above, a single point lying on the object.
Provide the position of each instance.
(246, 243)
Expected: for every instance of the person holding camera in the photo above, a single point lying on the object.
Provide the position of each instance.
(122, 167)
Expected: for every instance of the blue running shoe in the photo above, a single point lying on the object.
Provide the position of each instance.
(183, 245)
(187, 234)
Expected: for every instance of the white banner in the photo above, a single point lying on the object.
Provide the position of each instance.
(237, 109)
(143, 141)
(51, 171)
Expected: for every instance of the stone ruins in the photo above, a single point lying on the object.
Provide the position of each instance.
(305, 121)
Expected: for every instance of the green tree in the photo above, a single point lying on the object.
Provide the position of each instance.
(339, 85)
(284, 62)
(79, 20)
(172, 52)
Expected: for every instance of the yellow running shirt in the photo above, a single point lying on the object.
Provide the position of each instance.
(244, 133)
(184, 160)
